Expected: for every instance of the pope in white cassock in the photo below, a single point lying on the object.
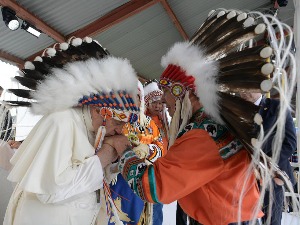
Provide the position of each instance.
(59, 167)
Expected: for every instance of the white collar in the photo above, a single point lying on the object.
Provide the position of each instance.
(257, 102)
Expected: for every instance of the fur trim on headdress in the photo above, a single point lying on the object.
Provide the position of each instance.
(193, 62)
(66, 86)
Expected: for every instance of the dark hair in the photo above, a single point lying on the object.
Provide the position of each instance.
(1, 88)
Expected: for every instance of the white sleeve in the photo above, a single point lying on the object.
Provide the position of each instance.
(88, 178)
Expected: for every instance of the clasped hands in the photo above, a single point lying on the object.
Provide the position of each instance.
(112, 148)
(119, 142)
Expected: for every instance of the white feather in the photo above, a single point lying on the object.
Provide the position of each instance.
(38, 59)
(211, 12)
(174, 125)
(266, 85)
(248, 22)
(20, 73)
(231, 15)
(192, 60)
(241, 17)
(65, 87)
(76, 42)
(221, 13)
(51, 52)
(267, 68)
(64, 46)
(150, 88)
(266, 52)
(29, 65)
(260, 28)
(87, 40)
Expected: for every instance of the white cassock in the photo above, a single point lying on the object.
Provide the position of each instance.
(56, 172)
(6, 187)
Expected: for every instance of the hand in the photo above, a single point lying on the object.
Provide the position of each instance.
(107, 154)
(14, 144)
(119, 142)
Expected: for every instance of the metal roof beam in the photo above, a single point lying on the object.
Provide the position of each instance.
(11, 58)
(115, 16)
(33, 19)
(174, 19)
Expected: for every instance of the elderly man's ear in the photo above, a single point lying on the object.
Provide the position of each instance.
(97, 119)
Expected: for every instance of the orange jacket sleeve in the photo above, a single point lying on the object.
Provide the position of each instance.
(192, 162)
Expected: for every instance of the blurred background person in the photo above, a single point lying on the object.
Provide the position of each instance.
(156, 109)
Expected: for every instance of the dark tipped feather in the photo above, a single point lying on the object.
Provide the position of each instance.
(41, 67)
(61, 58)
(21, 93)
(27, 82)
(74, 54)
(208, 22)
(211, 29)
(244, 130)
(33, 74)
(248, 65)
(19, 103)
(239, 106)
(93, 50)
(241, 87)
(246, 55)
(54, 61)
(226, 29)
(219, 48)
(241, 82)
(240, 72)
(247, 144)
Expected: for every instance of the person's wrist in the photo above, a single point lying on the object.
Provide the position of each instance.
(105, 143)
(105, 154)
(128, 147)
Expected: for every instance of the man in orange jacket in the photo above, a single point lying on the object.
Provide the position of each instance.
(208, 168)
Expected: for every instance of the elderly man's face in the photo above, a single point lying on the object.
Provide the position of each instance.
(170, 101)
(112, 126)
(249, 96)
(155, 107)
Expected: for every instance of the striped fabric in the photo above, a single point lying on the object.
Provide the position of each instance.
(140, 177)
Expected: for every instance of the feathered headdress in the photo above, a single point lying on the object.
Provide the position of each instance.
(213, 66)
(152, 92)
(79, 73)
